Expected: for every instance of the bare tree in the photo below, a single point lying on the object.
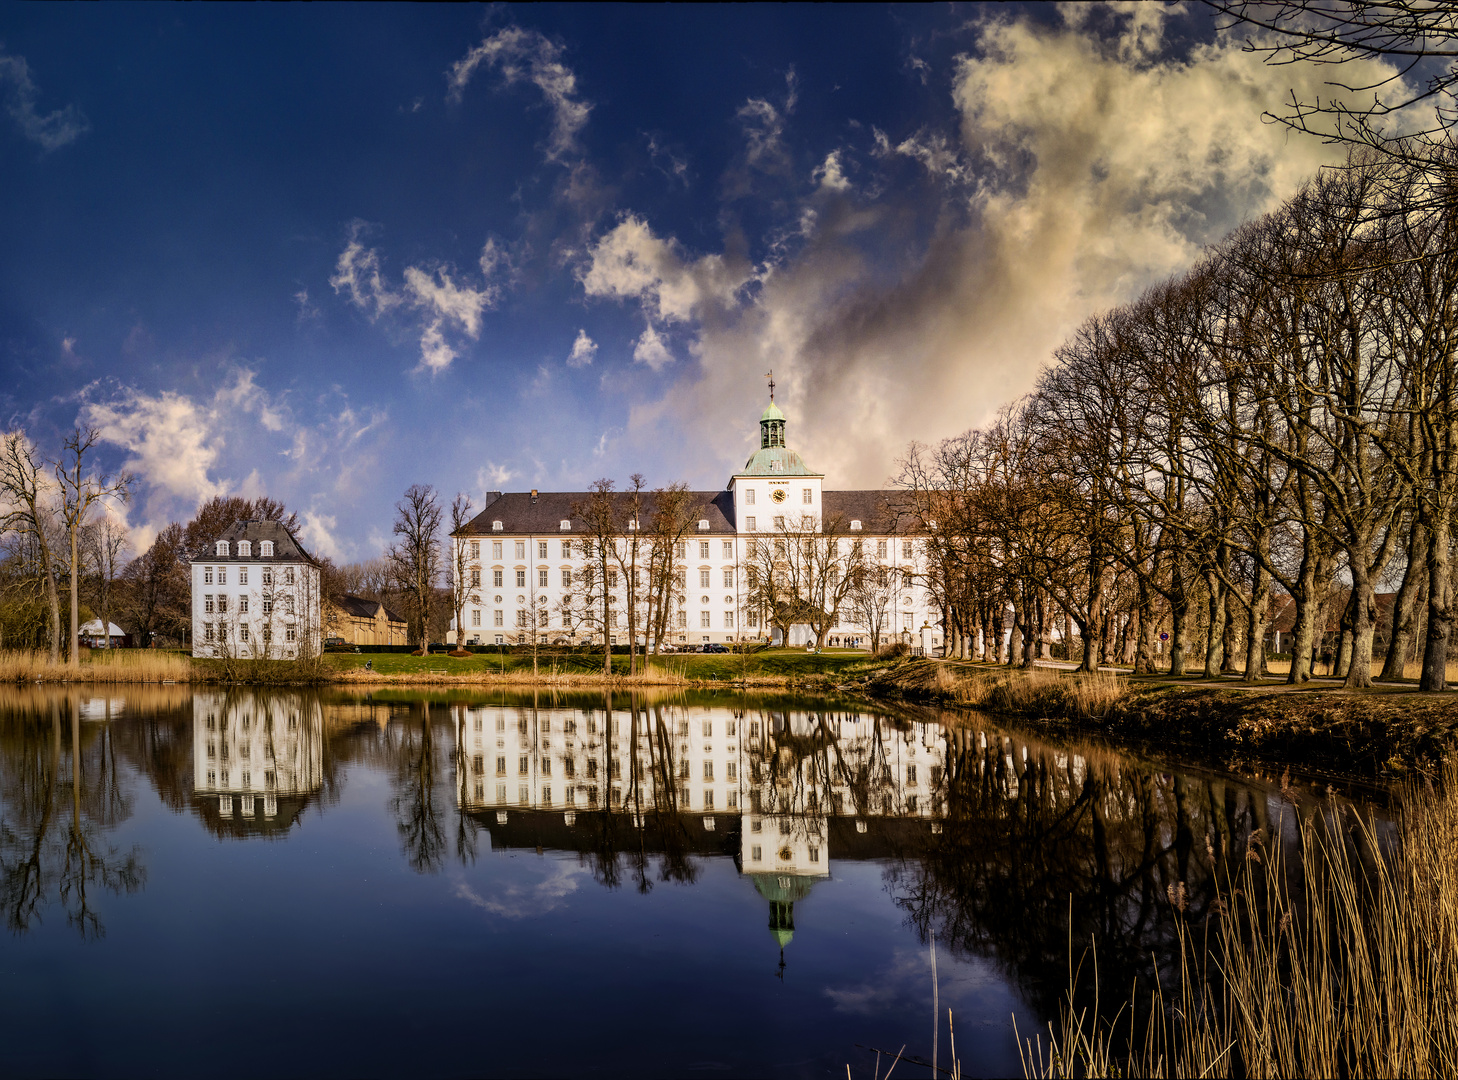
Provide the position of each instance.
(106, 540)
(596, 586)
(79, 493)
(464, 579)
(29, 509)
(415, 557)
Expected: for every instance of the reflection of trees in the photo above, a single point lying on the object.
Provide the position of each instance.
(419, 789)
(47, 854)
(1035, 837)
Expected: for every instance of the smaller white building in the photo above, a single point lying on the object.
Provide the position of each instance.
(255, 594)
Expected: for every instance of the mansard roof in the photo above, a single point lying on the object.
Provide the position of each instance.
(522, 513)
(285, 547)
(542, 513)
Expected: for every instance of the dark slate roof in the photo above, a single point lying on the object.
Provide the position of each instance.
(542, 514)
(520, 512)
(285, 547)
(360, 608)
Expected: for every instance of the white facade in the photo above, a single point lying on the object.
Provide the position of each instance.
(521, 575)
(255, 594)
(248, 751)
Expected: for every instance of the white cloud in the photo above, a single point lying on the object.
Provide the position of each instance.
(583, 350)
(528, 55)
(435, 354)
(358, 271)
(650, 350)
(51, 131)
(830, 174)
(1047, 207)
(493, 477)
(317, 531)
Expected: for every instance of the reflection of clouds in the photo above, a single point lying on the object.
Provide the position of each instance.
(518, 900)
(907, 971)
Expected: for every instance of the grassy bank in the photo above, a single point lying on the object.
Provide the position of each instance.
(98, 666)
(1343, 965)
(1377, 733)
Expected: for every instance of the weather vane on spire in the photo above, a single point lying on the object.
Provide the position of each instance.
(770, 375)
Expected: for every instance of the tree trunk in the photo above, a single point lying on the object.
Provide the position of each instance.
(75, 657)
(1255, 624)
(1364, 628)
(1440, 608)
(1229, 641)
(1144, 640)
(1179, 612)
(1216, 632)
(1400, 636)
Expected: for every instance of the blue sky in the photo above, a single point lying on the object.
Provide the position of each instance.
(324, 252)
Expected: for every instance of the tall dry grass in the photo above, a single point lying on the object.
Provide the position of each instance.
(1347, 968)
(1040, 690)
(101, 666)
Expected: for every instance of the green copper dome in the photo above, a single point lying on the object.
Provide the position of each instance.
(782, 890)
(772, 413)
(776, 461)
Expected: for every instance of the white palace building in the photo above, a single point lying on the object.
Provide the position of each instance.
(525, 550)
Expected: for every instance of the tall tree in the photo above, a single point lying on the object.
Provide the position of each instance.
(29, 509)
(463, 584)
(79, 493)
(415, 556)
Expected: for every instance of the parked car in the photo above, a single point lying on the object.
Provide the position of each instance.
(714, 647)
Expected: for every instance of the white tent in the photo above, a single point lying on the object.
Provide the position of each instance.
(92, 631)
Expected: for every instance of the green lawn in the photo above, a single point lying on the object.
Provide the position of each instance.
(781, 662)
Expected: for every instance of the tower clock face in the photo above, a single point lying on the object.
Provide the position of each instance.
(778, 494)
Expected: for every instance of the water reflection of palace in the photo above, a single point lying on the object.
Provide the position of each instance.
(779, 790)
(257, 758)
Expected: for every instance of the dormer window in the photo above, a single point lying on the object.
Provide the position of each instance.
(265, 549)
(703, 524)
(496, 526)
(245, 549)
(633, 525)
(855, 526)
(223, 548)
(565, 525)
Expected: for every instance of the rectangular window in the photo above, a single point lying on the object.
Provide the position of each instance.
(289, 576)
(222, 604)
(268, 575)
(496, 578)
(730, 770)
(728, 577)
(704, 620)
(242, 605)
(754, 854)
(476, 618)
(749, 523)
(290, 634)
(703, 579)
(242, 631)
(612, 579)
(496, 619)
(475, 579)
(268, 605)
(521, 765)
(542, 618)
(728, 620)
(207, 575)
(521, 618)
(906, 549)
(779, 521)
(708, 770)
(222, 575)
(807, 495)
(911, 776)
(542, 578)
(906, 622)
(682, 620)
(521, 549)
(207, 631)
(681, 549)
(566, 578)
(541, 549)
(703, 549)
(708, 800)
(880, 549)
(208, 603)
(815, 854)
(242, 575)
(475, 549)
(521, 579)
(288, 605)
(728, 549)
(496, 549)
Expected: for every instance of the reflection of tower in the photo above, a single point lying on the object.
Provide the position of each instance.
(784, 855)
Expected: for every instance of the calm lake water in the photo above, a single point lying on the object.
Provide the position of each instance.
(238, 882)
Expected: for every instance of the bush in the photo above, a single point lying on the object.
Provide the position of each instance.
(891, 652)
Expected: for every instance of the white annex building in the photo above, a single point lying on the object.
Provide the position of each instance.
(255, 593)
(525, 553)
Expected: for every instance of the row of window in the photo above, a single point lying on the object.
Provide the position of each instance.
(523, 619)
(221, 573)
(245, 549)
(290, 634)
(569, 767)
(220, 604)
(807, 496)
(519, 549)
(756, 854)
(524, 797)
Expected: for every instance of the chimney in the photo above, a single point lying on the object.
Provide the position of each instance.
(534, 496)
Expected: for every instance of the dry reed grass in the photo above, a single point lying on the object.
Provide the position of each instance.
(100, 666)
(1039, 690)
(1352, 971)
